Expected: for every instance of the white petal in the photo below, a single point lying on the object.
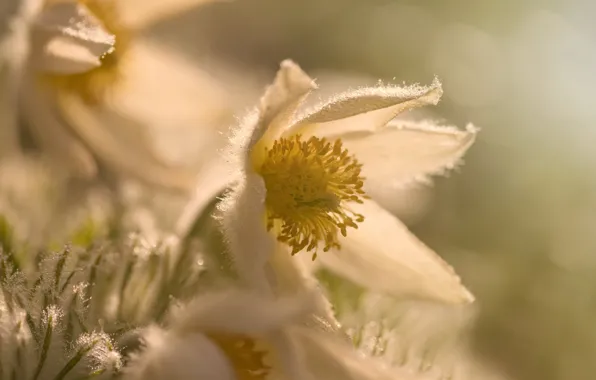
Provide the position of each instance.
(189, 95)
(290, 356)
(404, 154)
(139, 14)
(328, 358)
(170, 356)
(365, 109)
(121, 144)
(290, 276)
(68, 39)
(284, 96)
(212, 179)
(241, 312)
(51, 133)
(384, 256)
(405, 151)
(15, 19)
(276, 109)
(243, 220)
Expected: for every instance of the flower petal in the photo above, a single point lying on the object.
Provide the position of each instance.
(241, 312)
(326, 357)
(409, 150)
(278, 106)
(139, 14)
(68, 39)
(189, 96)
(290, 356)
(121, 143)
(384, 256)
(212, 179)
(169, 356)
(365, 109)
(276, 109)
(405, 154)
(290, 276)
(15, 18)
(50, 132)
(243, 220)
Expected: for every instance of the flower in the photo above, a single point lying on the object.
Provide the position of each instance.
(307, 184)
(74, 313)
(46, 330)
(244, 336)
(64, 66)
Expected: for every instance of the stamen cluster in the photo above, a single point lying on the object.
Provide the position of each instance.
(308, 185)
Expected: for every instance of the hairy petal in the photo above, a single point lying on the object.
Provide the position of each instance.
(241, 313)
(49, 131)
(170, 356)
(68, 39)
(122, 144)
(329, 358)
(384, 256)
(243, 221)
(365, 109)
(406, 154)
(15, 19)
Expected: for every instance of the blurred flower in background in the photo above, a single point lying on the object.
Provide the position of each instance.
(80, 82)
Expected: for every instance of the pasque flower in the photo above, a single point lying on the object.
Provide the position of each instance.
(236, 335)
(61, 63)
(305, 185)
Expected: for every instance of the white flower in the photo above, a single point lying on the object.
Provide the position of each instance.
(64, 66)
(242, 336)
(306, 178)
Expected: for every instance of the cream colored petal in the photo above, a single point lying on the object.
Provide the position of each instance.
(325, 357)
(290, 357)
(406, 153)
(366, 109)
(15, 19)
(290, 276)
(68, 39)
(188, 96)
(170, 356)
(243, 220)
(384, 256)
(241, 312)
(50, 132)
(212, 179)
(284, 96)
(278, 106)
(140, 14)
(121, 144)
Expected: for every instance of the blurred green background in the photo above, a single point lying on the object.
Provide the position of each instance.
(517, 221)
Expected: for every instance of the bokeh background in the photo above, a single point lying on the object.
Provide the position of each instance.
(518, 220)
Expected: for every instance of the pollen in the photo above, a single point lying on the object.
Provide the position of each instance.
(248, 361)
(92, 85)
(310, 184)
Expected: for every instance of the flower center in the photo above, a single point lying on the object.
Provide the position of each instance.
(92, 85)
(248, 361)
(308, 185)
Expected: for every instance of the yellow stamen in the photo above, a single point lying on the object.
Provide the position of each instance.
(92, 85)
(308, 185)
(241, 351)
